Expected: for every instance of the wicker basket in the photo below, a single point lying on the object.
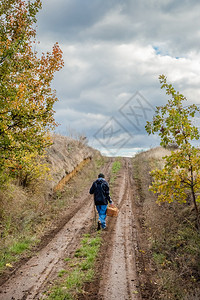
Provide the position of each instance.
(112, 211)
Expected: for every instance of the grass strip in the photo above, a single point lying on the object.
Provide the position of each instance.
(79, 269)
(12, 253)
(116, 166)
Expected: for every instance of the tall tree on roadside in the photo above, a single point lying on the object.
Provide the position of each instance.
(181, 172)
(26, 97)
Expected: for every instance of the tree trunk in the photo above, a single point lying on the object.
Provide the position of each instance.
(196, 207)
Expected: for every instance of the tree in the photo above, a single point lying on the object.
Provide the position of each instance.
(26, 97)
(181, 172)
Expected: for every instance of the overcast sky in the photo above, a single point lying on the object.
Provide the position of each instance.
(114, 51)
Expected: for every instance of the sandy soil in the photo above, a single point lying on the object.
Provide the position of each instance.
(116, 276)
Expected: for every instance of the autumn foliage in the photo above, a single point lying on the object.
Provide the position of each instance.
(26, 97)
(179, 180)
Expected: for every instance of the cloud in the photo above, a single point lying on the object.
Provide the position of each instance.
(69, 19)
(169, 24)
(112, 49)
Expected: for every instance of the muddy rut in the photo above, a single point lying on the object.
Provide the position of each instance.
(116, 267)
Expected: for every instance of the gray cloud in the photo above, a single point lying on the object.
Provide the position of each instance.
(70, 18)
(112, 49)
(172, 24)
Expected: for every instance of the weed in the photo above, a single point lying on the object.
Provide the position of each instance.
(60, 294)
(12, 253)
(61, 273)
(19, 247)
(159, 258)
(80, 269)
(25, 213)
(172, 240)
(100, 162)
(116, 166)
(67, 259)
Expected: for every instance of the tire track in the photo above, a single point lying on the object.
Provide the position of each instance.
(38, 268)
(119, 270)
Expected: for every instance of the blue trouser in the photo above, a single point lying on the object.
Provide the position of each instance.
(102, 214)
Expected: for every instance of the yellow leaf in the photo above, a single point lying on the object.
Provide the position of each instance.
(9, 265)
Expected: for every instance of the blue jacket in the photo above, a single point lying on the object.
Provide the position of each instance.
(100, 189)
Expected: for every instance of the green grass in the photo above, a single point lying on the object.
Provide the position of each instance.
(116, 166)
(79, 269)
(159, 258)
(13, 252)
(19, 247)
(61, 273)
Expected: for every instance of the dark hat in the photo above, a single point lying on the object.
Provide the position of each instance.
(101, 175)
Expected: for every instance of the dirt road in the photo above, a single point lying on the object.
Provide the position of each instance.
(116, 268)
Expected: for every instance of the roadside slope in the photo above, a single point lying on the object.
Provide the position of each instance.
(169, 241)
(30, 214)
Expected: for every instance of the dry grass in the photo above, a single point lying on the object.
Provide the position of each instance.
(172, 247)
(26, 214)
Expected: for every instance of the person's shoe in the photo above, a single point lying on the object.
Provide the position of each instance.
(104, 228)
(98, 225)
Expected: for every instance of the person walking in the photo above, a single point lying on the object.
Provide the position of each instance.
(100, 189)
